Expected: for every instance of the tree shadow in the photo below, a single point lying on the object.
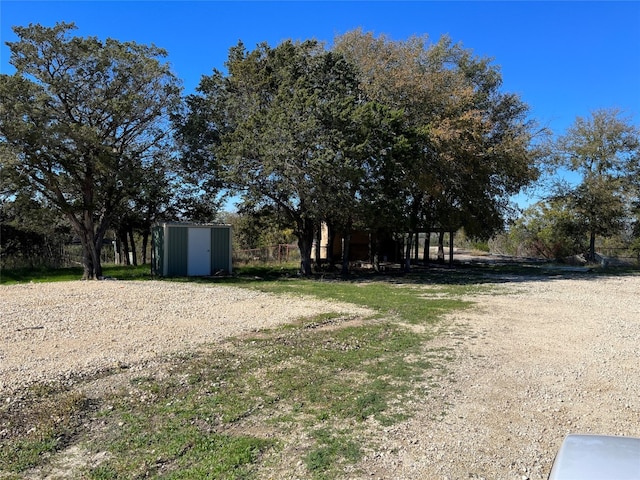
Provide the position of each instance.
(468, 272)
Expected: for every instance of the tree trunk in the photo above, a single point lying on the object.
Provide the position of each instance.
(592, 246)
(441, 246)
(124, 248)
(97, 263)
(145, 244)
(407, 253)
(305, 244)
(318, 250)
(451, 248)
(118, 259)
(87, 258)
(93, 242)
(92, 269)
(375, 259)
(98, 238)
(427, 247)
(346, 245)
(133, 247)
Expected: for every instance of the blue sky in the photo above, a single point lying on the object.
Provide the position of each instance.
(564, 59)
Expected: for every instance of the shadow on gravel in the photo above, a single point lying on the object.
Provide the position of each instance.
(470, 271)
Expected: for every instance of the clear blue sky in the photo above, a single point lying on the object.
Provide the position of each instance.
(564, 59)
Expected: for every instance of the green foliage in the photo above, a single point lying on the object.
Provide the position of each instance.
(604, 150)
(169, 448)
(331, 447)
(549, 230)
(470, 143)
(480, 246)
(31, 234)
(462, 241)
(262, 227)
(284, 118)
(84, 118)
(379, 135)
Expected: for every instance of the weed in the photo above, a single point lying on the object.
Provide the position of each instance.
(333, 447)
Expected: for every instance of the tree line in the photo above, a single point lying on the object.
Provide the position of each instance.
(372, 134)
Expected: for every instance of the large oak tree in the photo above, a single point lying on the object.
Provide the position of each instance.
(279, 127)
(389, 136)
(84, 117)
(472, 143)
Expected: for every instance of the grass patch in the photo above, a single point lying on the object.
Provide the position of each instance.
(37, 275)
(178, 448)
(231, 410)
(387, 299)
(38, 427)
(289, 379)
(332, 448)
(41, 275)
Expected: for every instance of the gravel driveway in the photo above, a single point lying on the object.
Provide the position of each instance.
(534, 361)
(56, 330)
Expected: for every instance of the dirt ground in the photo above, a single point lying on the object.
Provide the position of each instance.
(533, 360)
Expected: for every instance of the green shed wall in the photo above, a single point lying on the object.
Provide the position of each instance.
(157, 252)
(177, 243)
(220, 249)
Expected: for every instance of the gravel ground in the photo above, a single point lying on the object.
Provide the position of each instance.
(57, 330)
(534, 361)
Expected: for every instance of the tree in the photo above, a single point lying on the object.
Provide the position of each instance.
(392, 136)
(31, 234)
(279, 124)
(163, 193)
(471, 142)
(549, 229)
(262, 228)
(84, 117)
(388, 148)
(602, 149)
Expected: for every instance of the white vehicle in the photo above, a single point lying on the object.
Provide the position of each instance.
(597, 457)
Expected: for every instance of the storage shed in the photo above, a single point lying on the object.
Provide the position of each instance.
(189, 249)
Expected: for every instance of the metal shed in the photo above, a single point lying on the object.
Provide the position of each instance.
(190, 249)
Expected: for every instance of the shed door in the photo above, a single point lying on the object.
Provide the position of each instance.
(199, 252)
